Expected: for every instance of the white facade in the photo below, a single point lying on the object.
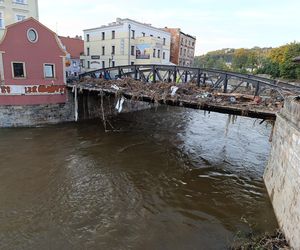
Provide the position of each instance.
(112, 45)
(12, 11)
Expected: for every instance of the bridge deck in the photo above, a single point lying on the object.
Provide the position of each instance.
(186, 96)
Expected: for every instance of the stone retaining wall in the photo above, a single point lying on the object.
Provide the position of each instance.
(89, 107)
(35, 115)
(282, 175)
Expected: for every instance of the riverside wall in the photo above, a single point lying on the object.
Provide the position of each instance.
(89, 107)
(282, 174)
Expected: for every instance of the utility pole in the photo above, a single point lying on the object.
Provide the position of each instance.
(129, 34)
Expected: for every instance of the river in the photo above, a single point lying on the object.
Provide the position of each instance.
(170, 178)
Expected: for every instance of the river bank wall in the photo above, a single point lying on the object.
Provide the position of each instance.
(282, 174)
(90, 106)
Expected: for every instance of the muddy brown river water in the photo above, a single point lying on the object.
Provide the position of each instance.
(171, 178)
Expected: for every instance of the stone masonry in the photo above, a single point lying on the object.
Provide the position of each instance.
(35, 115)
(89, 107)
(282, 175)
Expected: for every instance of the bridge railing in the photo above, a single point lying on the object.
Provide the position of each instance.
(182, 74)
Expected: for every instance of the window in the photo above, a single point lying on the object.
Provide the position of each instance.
(49, 70)
(164, 41)
(132, 50)
(154, 52)
(88, 64)
(88, 51)
(32, 35)
(1, 20)
(193, 44)
(113, 34)
(113, 64)
(133, 34)
(143, 34)
(158, 37)
(132, 63)
(158, 53)
(18, 70)
(164, 55)
(87, 37)
(151, 35)
(20, 1)
(20, 18)
(181, 41)
(103, 50)
(103, 35)
(184, 53)
(181, 51)
(113, 50)
(103, 64)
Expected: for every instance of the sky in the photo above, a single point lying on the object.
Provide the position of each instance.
(217, 24)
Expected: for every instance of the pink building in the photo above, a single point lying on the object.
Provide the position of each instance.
(32, 65)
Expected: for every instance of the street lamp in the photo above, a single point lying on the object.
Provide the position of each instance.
(129, 33)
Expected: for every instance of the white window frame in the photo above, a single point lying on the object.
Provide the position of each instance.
(54, 71)
(36, 33)
(18, 14)
(20, 2)
(3, 20)
(13, 73)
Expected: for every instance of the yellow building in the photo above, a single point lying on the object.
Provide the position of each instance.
(125, 42)
(12, 11)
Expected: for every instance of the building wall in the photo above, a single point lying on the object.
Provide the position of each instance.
(282, 175)
(74, 69)
(17, 48)
(121, 43)
(9, 10)
(182, 47)
(187, 50)
(175, 45)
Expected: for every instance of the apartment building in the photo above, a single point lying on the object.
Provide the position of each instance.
(125, 42)
(12, 11)
(182, 47)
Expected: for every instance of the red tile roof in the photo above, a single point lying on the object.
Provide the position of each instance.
(74, 46)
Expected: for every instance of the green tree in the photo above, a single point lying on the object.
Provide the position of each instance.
(240, 60)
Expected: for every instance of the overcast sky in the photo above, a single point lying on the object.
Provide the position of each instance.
(217, 24)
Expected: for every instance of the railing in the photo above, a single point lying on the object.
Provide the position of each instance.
(200, 76)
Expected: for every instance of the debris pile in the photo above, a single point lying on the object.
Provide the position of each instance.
(265, 241)
(162, 92)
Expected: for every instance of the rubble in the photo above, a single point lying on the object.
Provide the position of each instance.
(163, 92)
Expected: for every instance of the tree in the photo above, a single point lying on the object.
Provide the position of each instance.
(240, 59)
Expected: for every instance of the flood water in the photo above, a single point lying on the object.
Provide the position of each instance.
(171, 178)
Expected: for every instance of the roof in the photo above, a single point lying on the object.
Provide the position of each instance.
(121, 21)
(179, 30)
(31, 19)
(74, 46)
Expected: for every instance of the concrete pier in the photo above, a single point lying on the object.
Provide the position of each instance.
(282, 175)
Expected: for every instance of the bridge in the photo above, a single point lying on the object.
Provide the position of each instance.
(198, 88)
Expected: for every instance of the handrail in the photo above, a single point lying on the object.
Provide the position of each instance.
(246, 77)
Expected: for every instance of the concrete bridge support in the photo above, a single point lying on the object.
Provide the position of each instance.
(282, 175)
